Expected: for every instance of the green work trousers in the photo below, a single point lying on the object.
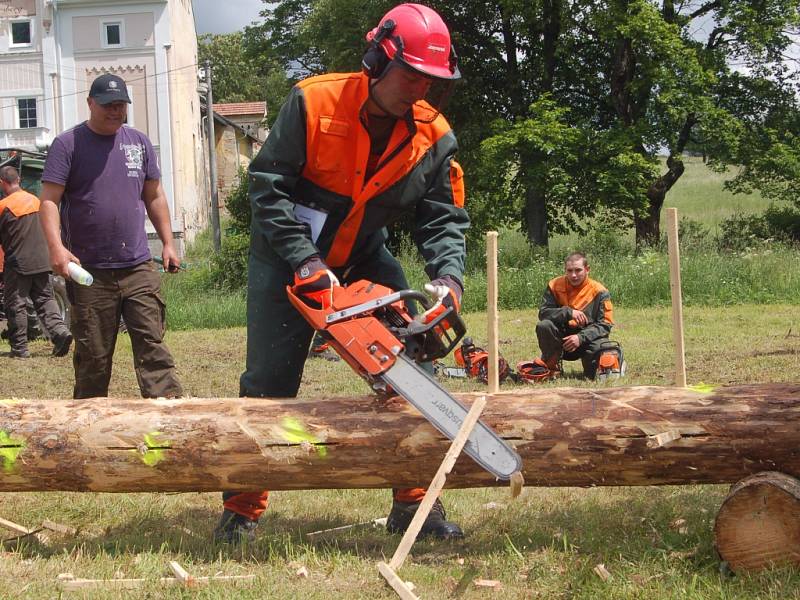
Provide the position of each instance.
(39, 289)
(551, 337)
(278, 338)
(134, 294)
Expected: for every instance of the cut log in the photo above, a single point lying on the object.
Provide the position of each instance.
(566, 437)
(758, 525)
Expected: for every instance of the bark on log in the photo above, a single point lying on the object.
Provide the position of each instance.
(758, 525)
(566, 437)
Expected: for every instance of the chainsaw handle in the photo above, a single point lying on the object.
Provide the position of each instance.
(371, 305)
(314, 316)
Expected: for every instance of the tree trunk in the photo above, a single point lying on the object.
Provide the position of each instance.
(535, 216)
(648, 225)
(551, 18)
(566, 437)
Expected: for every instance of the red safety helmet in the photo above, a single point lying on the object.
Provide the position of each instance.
(416, 36)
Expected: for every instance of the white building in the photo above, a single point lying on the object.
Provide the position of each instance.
(52, 50)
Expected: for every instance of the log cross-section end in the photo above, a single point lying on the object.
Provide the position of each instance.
(758, 525)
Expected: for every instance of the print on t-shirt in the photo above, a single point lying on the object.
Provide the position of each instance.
(134, 155)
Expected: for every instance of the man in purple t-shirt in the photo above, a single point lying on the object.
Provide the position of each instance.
(100, 179)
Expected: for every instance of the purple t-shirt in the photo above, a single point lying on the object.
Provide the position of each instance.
(102, 211)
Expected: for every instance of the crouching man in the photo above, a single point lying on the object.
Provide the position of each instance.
(575, 319)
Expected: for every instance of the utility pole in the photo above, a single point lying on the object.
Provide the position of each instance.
(212, 159)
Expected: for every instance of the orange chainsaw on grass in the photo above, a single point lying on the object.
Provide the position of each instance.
(370, 327)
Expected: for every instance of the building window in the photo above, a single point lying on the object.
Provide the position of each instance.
(113, 34)
(27, 112)
(21, 33)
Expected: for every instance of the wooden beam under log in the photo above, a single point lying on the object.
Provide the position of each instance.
(566, 437)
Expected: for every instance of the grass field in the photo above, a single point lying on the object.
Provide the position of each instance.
(699, 195)
(543, 545)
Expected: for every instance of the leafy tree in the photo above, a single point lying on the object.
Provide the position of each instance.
(240, 75)
(636, 73)
(566, 104)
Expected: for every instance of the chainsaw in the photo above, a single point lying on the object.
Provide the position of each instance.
(370, 327)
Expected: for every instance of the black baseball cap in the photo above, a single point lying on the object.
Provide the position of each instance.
(109, 88)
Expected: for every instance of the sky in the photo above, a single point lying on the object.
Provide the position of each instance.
(226, 16)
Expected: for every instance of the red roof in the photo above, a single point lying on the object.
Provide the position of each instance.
(241, 108)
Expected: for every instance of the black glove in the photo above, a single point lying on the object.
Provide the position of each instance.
(314, 282)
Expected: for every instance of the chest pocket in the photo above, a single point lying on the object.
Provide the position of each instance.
(333, 145)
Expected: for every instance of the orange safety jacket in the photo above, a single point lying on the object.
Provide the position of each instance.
(591, 298)
(314, 162)
(21, 234)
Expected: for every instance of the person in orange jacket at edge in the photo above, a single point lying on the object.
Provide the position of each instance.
(349, 154)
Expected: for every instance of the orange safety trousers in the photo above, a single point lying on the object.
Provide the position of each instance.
(253, 504)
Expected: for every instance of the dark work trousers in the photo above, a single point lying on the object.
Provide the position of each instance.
(551, 337)
(277, 345)
(38, 288)
(135, 294)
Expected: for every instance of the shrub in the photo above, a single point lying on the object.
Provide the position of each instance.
(783, 223)
(229, 267)
(693, 236)
(238, 204)
(604, 240)
(741, 232)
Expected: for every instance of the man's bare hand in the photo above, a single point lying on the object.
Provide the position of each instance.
(171, 262)
(571, 342)
(59, 259)
(580, 317)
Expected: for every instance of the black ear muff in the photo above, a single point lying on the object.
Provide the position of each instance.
(453, 60)
(375, 60)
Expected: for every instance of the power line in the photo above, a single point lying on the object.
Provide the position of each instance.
(145, 77)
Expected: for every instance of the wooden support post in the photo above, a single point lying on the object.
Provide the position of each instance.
(677, 301)
(491, 311)
(18, 529)
(22, 532)
(69, 583)
(410, 536)
(398, 585)
(181, 574)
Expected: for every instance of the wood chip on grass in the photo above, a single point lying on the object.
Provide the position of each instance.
(601, 571)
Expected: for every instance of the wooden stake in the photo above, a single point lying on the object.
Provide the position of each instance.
(181, 574)
(677, 302)
(516, 484)
(81, 584)
(491, 311)
(404, 589)
(19, 529)
(398, 585)
(437, 484)
(58, 527)
(379, 522)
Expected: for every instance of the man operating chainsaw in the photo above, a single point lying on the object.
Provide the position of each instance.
(349, 154)
(575, 319)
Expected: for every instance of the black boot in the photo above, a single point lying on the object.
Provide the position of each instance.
(61, 343)
(436, 524)
(234, 528)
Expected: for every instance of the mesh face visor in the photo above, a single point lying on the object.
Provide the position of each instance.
(430, 94)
